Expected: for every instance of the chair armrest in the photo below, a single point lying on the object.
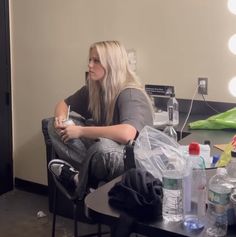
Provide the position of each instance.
(51, 154)
(45, 131)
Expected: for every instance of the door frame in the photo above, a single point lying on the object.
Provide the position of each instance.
(6, 159)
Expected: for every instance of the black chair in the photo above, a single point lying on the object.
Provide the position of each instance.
(70, 206)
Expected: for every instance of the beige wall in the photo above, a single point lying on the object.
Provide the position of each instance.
(176, 41)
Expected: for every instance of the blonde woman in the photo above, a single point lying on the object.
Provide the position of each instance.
(117, 103)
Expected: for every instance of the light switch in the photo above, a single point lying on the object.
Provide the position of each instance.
(132, 57)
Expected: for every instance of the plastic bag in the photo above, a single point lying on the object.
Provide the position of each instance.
(225, 120)
(226, 155)
(154, 151)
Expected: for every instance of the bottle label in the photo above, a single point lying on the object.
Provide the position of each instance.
(218, 198)
(175, 106)
(171, 112)
(172, 184)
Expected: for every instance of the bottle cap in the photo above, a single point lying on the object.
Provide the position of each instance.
(194, 148)
(215, 158)
(233, 153)
(207, 142)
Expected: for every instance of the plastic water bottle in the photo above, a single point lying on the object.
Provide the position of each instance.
(170, 131)
(195, 190)
(231, 178)
(231, 168)
(173, 117)
(218, 201)
(172, 207)
(173, 110)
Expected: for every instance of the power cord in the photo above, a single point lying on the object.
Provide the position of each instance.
(209, 105)
(189, 111)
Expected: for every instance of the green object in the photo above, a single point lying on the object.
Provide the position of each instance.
(225, 120)
(226, 155)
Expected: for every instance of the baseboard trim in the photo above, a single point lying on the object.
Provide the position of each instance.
(31, 187)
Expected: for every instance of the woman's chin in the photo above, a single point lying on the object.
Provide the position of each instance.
(95, 78)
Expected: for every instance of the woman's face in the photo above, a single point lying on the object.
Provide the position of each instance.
(96, 70)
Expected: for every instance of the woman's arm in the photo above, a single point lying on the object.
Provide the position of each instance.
(60, 113)
(121, 133)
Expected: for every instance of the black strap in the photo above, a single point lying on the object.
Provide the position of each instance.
(129, 161)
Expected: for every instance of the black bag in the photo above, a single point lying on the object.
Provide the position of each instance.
(138, 193)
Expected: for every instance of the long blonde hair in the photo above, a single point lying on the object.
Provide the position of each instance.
(118, 76)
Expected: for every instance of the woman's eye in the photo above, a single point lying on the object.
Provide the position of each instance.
(94, 60)
(97, 61)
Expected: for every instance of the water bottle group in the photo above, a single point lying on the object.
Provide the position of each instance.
(198, 205)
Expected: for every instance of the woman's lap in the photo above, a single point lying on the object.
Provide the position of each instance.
(102, 159)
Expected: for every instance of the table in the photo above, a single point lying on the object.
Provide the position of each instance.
(98, 208)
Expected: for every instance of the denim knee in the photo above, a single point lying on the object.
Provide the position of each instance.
(105, 167)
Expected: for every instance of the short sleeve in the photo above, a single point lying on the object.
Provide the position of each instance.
(79, 102)
(133, 108)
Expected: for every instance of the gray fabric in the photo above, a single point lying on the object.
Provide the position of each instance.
(102, 159)
(131, 107)
(105, 156)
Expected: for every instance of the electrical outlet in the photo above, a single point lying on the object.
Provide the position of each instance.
(202, 86)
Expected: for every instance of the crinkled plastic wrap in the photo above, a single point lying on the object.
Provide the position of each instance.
(155, 152)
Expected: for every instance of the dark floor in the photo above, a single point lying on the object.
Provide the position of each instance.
(19, 217)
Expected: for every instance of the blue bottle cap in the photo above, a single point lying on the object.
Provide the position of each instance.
(215, 158)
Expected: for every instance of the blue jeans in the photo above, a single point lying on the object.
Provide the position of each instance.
(97, 160)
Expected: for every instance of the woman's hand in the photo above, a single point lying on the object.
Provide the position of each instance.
(58, 122)
(70, 132)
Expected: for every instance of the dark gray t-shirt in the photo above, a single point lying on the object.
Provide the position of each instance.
(131, 107)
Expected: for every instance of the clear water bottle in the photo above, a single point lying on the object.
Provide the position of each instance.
(195, 190)
(231, 178)
(231, 168)
(172, 206)
(173, 110)
(218, 201)
(170, 131)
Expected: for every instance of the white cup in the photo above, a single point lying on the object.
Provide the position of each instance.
(68, 122)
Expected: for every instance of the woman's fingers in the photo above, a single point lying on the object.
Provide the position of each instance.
(68, 132)
(58, 122)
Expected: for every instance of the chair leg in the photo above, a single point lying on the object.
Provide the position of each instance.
(54, 211)
(99, 230)
(75, 219)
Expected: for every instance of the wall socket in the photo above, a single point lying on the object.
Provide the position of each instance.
(202, 85)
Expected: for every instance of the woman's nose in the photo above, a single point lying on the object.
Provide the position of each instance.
(90, 63)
